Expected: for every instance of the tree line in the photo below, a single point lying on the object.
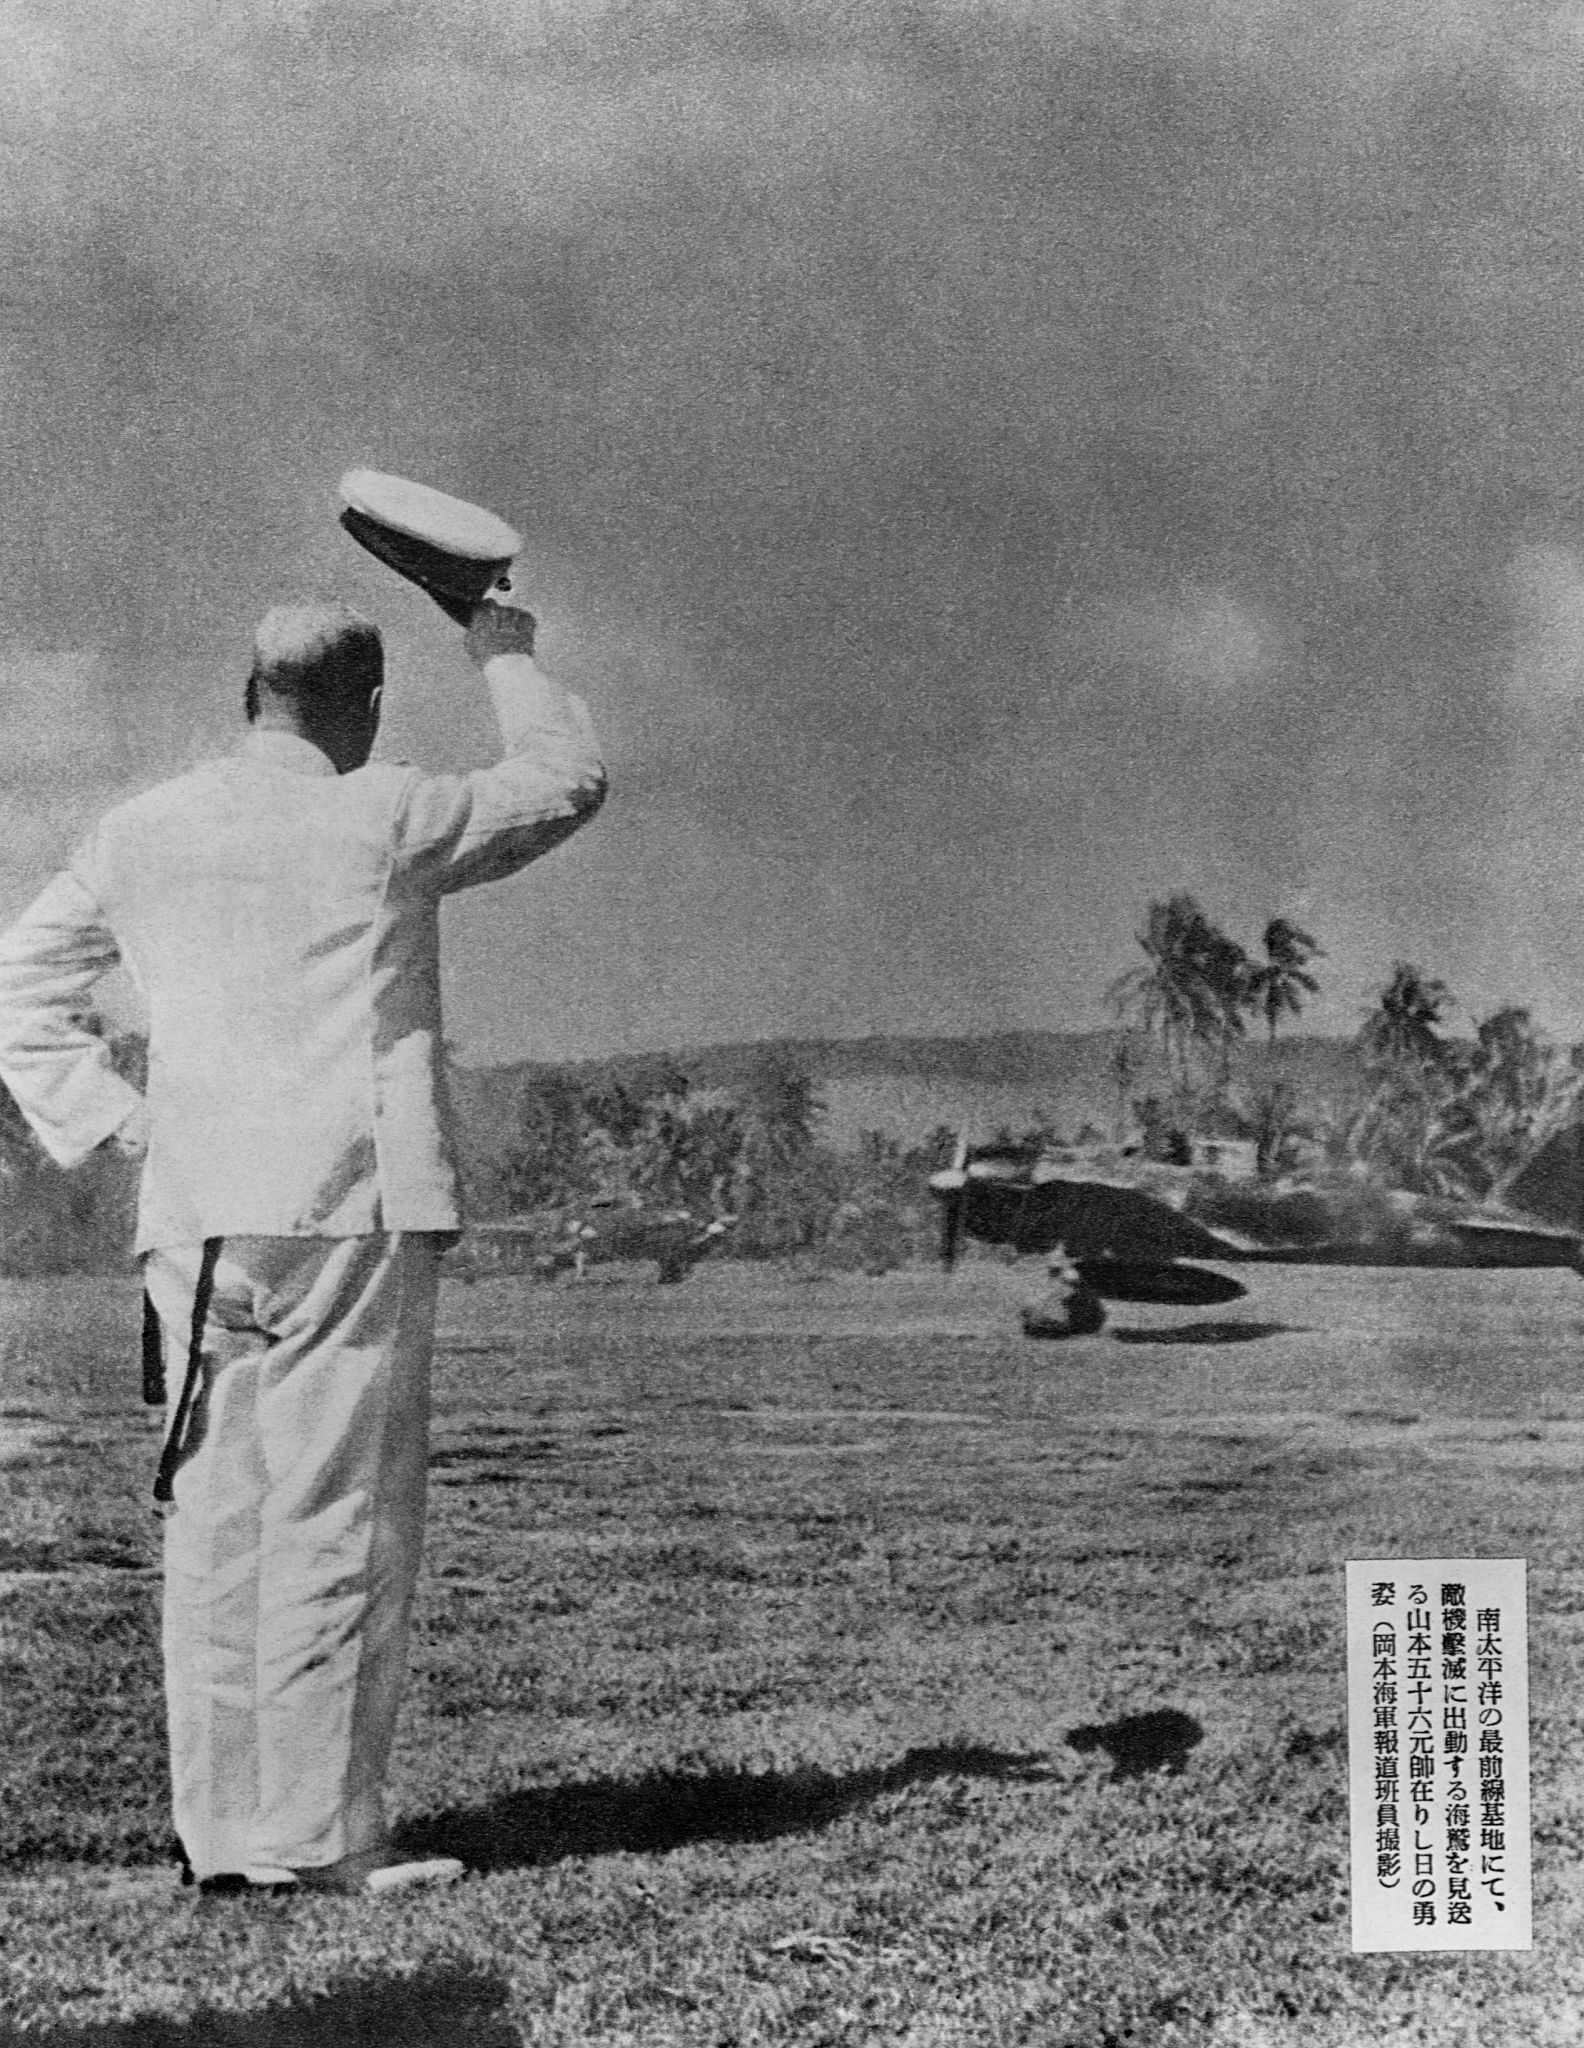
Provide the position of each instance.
(754, 1152)
(1433, 1112)
(1416, 1106)
(566, 1141)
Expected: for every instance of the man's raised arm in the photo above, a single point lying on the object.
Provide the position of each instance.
(458, 830)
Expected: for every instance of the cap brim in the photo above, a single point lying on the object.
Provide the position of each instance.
(450, 525)
(452, 550)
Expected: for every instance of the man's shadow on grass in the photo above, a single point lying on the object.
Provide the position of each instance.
(433, 2009)
(669, 1809)
(1140, 1744)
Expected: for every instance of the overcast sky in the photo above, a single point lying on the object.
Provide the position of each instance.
(987, 464)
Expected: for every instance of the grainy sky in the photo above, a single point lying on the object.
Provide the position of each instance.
(988, 465)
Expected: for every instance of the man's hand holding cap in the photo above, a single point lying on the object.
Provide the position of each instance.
(499, 629)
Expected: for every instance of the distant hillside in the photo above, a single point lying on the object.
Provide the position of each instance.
(905, 1087)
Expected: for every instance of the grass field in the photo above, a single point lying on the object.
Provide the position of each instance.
(759, 1620)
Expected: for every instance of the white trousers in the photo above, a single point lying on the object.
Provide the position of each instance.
(292, 1548)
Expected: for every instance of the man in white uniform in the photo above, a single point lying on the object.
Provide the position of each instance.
(280, 911)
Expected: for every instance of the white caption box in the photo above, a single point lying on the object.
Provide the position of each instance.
(1438, 1752)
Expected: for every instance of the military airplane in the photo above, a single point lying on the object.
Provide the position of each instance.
(1126, 1244)
(674, 1239)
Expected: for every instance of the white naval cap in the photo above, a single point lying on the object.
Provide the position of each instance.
(457, 552)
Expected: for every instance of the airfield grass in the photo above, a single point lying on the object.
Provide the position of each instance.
(759, 1618)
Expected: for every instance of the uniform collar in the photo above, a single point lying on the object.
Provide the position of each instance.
(286, 751)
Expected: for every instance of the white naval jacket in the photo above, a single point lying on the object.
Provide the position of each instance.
(282, 922)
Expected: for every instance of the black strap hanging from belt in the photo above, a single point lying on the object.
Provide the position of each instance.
(153, 1354)
(203, 1294)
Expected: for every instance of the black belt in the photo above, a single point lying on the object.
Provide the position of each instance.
(154, 1370)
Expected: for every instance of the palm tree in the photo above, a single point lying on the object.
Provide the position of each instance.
(1414, 1074)
(1516, 1091)
(1282, 980)
(1223, 969)
(1126, 1062)
(1277, 986)
(1191, 992)
(1404, 1025)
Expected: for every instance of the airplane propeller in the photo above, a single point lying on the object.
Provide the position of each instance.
(951, 1185)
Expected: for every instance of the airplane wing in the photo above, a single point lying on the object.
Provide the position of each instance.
(1090, 1219)
(1119, 1230)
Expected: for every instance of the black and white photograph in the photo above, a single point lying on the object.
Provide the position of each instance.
(791, 1024)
